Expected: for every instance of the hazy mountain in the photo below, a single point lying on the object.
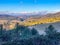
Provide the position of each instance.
(28, 19)
(7, 15)
(48, 18)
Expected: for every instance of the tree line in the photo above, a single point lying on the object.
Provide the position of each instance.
(22, 35)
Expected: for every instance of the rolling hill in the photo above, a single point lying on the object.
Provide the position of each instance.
(9, 21)
(48, 18)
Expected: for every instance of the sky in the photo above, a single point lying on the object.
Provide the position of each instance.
(29, 5)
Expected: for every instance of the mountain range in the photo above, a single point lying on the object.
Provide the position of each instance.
(28, 19)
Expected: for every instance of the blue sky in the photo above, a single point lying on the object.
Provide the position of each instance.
(29, 5)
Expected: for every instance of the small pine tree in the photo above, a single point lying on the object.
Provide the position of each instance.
(17, 29)
(34, 31)
(50, 30)
(51, 35)
(1, 28)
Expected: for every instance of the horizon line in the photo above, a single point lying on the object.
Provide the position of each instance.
(1, 12)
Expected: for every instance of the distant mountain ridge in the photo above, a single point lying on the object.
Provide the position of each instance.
(48, 18)
(9, 20)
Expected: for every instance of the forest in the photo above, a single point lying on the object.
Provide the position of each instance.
(22, 35)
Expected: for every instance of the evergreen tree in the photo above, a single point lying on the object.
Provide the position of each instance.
(17, 29)
(34, 31)
(1, 29)
(50, 30)
(51, 35)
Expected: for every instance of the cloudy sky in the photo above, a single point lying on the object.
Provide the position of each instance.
(29, 5)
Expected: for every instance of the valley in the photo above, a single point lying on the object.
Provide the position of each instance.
(9, 21)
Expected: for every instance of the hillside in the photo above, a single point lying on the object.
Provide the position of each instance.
(49, 18)
(9, 21)
(42, 27)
